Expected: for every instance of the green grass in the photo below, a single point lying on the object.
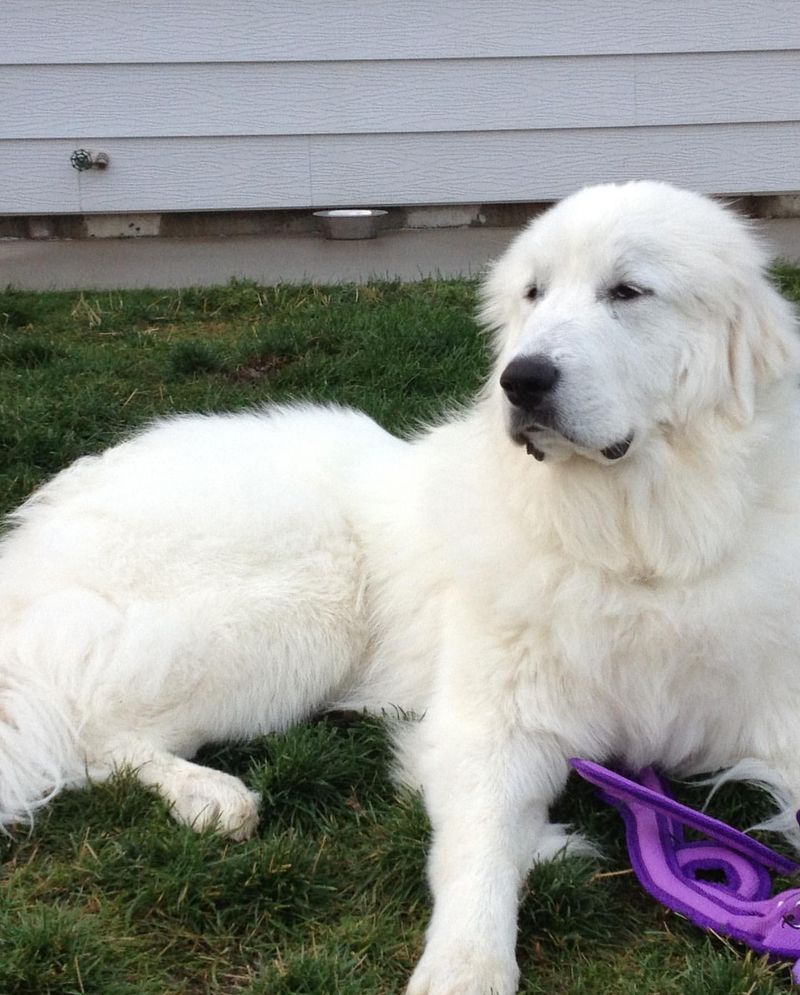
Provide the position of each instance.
(107, 895)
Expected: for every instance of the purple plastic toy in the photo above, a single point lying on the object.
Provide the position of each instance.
(669, 866)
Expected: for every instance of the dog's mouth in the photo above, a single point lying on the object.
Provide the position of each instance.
(618, 449)
(537, 436)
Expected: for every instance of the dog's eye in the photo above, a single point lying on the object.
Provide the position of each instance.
(625, 292)
(532, 292)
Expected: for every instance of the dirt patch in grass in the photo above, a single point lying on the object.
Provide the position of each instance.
(260, 368)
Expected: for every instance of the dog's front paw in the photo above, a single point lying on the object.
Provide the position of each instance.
(463, 971)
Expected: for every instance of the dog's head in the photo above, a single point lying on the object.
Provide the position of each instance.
(628, 308)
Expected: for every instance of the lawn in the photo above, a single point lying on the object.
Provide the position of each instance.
(106, 894)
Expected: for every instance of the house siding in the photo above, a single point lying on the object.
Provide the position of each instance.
(318, 103)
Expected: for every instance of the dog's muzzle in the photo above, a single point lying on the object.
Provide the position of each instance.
(529, 383)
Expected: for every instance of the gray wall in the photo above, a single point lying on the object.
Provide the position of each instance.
(253, 104)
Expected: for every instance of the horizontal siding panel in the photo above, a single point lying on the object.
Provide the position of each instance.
(334, 170)
(397, 97)
(713, 89)
(314, 98)
(99, 31)
(507, 166)
(37, 179)
(163, 175)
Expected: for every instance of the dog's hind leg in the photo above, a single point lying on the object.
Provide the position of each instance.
(197, 796)
(213, 667)
(146, 685)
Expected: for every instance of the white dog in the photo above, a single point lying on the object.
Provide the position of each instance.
(601, 557)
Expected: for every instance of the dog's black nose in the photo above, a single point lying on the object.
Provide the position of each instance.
(528, 379)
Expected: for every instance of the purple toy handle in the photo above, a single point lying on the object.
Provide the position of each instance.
(672, 869)
(648, 789)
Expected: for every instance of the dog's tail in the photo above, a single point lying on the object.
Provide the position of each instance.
(38, 749)
(762, 775)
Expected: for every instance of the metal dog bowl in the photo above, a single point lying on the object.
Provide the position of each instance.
(350, 222)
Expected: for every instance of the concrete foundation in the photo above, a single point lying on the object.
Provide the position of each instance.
(208, 224)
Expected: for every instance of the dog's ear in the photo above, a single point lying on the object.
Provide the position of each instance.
(763, 344)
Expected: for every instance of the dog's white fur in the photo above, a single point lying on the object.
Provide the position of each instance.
(218, 577)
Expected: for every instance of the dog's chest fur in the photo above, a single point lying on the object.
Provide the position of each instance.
(627, 631)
